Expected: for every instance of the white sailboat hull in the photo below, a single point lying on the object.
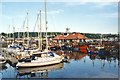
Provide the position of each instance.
(40, 62)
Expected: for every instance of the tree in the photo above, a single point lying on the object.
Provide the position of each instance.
(3, 34)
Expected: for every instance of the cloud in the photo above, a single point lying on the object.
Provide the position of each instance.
(111, 15)
(75, 3)
(96, 4)
(107, 15)
(85, 1)
(54, 11)
(6, 17)
(103, 4)
(60, 0)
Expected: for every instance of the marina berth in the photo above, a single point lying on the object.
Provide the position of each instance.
(48, 39)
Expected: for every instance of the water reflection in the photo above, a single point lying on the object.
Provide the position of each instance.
(104, 54)
(40, 72)
(103, 63)
(3, 66)
(105, 57)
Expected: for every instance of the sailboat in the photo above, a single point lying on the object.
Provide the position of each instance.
(25, 50)
(41, 58)
(100, 46)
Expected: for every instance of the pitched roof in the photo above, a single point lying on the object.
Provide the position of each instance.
(76, 36)
(70, 36)
(59, 37)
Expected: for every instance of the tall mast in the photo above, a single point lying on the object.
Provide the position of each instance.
(7, 37)
(38, 29)
(14, 34)
(18, 34)
(23, 31)
(9, 32)
(101, 38)
(0, 41)
(27, 30)
(40, 36)
(13, 31)
(46, 25)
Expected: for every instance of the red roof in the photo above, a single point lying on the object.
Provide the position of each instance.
(70, 36)
(76, 36)
(59, 37)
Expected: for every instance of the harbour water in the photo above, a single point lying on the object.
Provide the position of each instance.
(88, 55)
(81, 65)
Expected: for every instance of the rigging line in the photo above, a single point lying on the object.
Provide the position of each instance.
(24, 28)
(36, 22)
(24, 22)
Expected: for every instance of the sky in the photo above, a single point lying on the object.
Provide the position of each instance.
(88, 16)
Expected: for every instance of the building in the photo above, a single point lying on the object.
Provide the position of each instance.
(75, 37)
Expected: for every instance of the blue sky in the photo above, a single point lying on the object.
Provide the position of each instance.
(86, 17)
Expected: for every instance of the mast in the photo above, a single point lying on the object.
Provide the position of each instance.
(13, 31)
(9, 32)
(38, 28)
(27, 31)
(40, 36)
(0, 41)
(23, 31)
(6, 39)
(46, 25)
(14, 34)
(18, 36)
(8, 35)
(101, 39)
